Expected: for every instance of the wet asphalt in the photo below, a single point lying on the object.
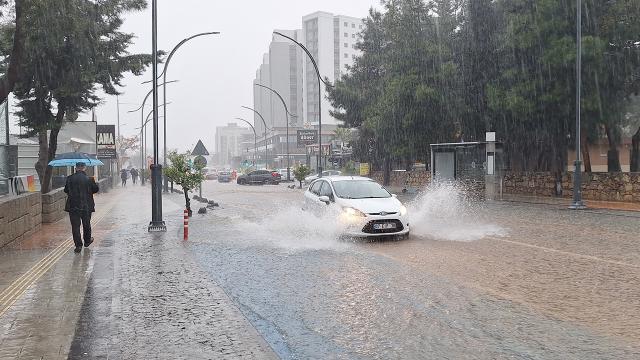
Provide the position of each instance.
(490, 281)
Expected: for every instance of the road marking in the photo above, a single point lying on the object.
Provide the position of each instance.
(14, 292)
(582, 256)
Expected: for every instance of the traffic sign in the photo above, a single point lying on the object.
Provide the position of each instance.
(200, 149)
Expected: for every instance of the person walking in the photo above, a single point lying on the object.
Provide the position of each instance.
(134, 175)
(123, 177)
(80, 204)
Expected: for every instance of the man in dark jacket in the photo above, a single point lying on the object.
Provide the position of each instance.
(80, 189)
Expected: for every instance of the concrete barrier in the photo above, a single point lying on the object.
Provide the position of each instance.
(53, 206)
(20, 217)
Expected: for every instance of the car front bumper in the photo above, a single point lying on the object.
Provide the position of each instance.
(364, 227)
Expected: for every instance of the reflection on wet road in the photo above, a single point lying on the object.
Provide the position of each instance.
(494, 281)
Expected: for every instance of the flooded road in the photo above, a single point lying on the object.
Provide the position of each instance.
(493, 281)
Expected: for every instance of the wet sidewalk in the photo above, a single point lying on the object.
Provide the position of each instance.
(131, 295)
(565, 202)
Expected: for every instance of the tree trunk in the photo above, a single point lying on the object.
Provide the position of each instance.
(187, 201)
(635, 152)
(387, 170)
(586, 156)
(8, 81)
(45, 180)
(43, 155)
(613, 155)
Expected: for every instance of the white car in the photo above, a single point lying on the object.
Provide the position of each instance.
(362, 206)
(325, 173)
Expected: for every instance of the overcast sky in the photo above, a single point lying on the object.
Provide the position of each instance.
(215, 73)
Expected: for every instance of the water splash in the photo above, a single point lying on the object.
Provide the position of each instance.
(290, 228)
(444, 212)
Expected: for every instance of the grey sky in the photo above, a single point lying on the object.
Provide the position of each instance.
(215, 73)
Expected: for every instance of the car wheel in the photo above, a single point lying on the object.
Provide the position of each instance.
(242, 182)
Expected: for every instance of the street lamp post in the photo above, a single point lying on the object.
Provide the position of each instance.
(578, 204)
(164, 94)
(156, 224)
(320, 82)
(287, 114)
(255, 139)
(266, 157)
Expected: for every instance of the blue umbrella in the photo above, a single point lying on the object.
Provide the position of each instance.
(70, 159)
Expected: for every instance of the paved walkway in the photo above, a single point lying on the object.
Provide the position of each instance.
(131, 295)
(591, 204)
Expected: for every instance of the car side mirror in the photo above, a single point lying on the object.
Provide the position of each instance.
(325, 199)
(394, 195)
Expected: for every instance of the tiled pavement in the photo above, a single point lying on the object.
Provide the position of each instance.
(131, 295)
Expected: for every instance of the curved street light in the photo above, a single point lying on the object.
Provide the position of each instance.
(578, 204)
(164, 94)
(141, 109)
(266, 153)
(255, 139)
(320, 82)
(287, 114)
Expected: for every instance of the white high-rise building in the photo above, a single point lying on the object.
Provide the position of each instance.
(331, 39)
(231, 142)
(286, 68)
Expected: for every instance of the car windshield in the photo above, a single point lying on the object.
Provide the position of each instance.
(360, 189)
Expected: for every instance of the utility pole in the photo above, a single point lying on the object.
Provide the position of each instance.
(156, 224)
(578, 204)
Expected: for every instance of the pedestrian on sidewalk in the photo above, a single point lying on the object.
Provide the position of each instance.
(134, 175)
(80, 204)
(123, 177)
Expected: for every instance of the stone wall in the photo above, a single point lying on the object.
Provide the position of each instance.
(596, 186)
(20, 216)
(404, 179)
(53, 206)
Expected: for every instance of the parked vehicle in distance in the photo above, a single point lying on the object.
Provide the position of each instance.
(261, 177)
(309, 179)
(211, 174)
(283, 174)
(364, 207)
(224, 176)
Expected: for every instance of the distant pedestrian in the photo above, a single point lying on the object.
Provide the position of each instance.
(134, 175)
(80, 189)
(123, 177)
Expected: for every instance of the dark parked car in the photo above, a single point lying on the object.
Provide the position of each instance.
(224, 176)
(262, 177)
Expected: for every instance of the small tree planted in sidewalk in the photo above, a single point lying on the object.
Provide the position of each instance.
(182, 172)
(301, 172)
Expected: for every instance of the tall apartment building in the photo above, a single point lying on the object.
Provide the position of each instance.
(331, 39)
(231, 142)
(287, 69)
(281, 70)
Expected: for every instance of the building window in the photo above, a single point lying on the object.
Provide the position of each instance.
(346, 24)
(353, 46)
(346, 34)
(360, 27)
(353, 25)
(353, 36)
(346, 56)
(346, 45)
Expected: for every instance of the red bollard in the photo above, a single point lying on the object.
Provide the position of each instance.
(186, 224)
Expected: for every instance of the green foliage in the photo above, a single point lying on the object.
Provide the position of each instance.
(180, 172)
(450, 70)
(300, 172)
(70, 48)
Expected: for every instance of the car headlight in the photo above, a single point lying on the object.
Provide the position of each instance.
(403, 210)
(351, 212)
